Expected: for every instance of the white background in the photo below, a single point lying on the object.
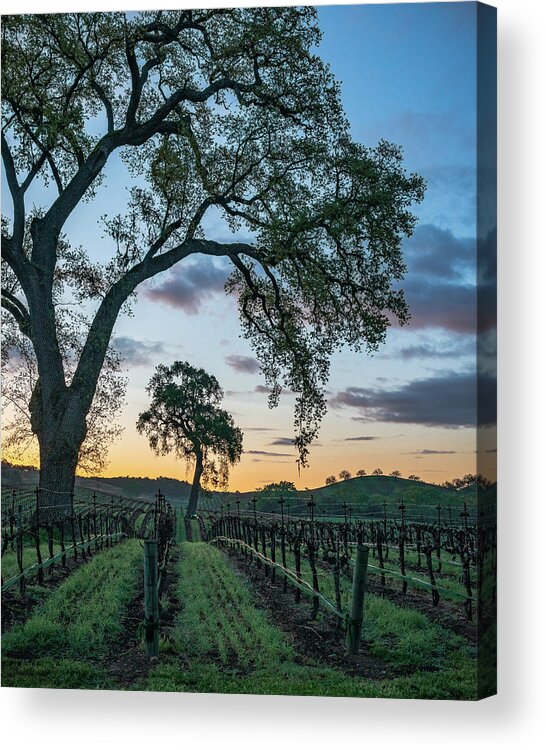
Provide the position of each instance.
(81, 719)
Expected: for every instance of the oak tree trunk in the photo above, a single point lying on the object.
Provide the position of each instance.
(59, 422)
(196, 486)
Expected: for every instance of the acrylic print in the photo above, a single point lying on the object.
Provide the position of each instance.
(249, 389)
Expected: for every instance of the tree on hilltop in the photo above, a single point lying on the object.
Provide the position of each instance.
(283, 487)
(227, 110)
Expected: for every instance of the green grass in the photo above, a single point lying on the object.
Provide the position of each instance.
(399, 635)
(220, 640)
(223, 643)
(53, 673)
(78, 621)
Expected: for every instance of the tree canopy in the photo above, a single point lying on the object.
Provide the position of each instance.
(225, 110)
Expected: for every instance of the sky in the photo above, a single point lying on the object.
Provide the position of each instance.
(408, 75)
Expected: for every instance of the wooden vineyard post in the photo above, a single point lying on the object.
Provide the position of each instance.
(151, 598)
(385, 531)
(239, 527)
(379, 543)
(19, 548)
(439, 538)
(254, 501)
(50, 546)
(264, 550)
(273, 552)
(283, 545)
(357, 601)
(95, 520)
(297, 558)
(37, 539)
(401, 551)
(12, 518)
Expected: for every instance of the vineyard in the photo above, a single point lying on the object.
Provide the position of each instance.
(127, 593)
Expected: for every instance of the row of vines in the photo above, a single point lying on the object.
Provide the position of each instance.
(451, 563)
(35, 543)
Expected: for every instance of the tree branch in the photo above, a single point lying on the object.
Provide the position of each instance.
(20, 313)
(17, 195)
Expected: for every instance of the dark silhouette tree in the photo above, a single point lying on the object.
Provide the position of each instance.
(184, 417)
(229, 110)
(344, 474)
(396, 473)
(414, 477)
(361, 473)
(330, 480)
(377, 472)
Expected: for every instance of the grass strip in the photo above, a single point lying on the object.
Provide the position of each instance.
(80, 618)
(223, 643)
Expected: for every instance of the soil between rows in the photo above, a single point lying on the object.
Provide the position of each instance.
(315, 641)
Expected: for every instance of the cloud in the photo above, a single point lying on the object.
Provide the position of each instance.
(436, 252)
(362, 437)
(283, 441)
(240, 363)
(261, 460)
(429, 452)
(433, 304)
(259, 429)
(266, 453)
(443, 400)
(137, 353)
(441, 286)
(459, 346)
(189, 285)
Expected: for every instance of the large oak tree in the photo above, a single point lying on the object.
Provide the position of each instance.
(229, 110)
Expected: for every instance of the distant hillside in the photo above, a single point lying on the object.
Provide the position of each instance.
(176, 491)
(368, 495)
(364, 495)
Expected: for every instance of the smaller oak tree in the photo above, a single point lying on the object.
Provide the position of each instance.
(361, 473)
(184, 417)
(344, 474)
(330, 480)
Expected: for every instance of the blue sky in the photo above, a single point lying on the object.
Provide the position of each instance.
(408, 74)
